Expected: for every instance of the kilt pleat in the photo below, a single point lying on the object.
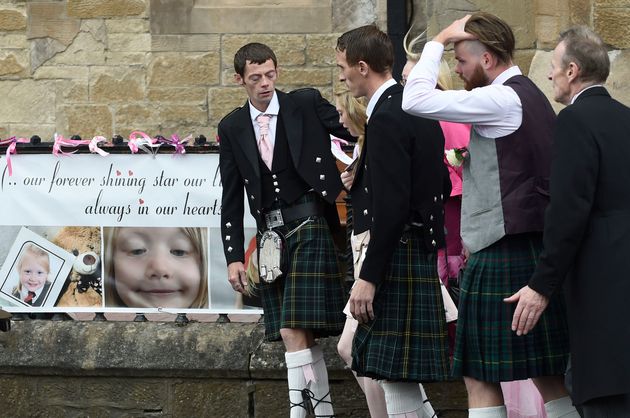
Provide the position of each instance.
(485, 347)
(407, 340)
(311, 295)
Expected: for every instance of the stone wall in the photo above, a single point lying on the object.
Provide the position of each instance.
(109, 66)
(72, 369)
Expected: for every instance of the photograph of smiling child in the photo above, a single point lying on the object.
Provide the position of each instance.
(33, 270)
(156, 267)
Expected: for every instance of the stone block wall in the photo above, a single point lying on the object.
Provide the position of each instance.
(110, 66)
(76, 369)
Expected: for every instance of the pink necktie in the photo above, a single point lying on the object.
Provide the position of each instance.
(264, 143)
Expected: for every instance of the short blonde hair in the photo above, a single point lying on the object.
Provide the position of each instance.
(354, 108)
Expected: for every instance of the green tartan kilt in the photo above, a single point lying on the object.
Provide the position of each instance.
(407, 340)
(486, 348)
(311, 294)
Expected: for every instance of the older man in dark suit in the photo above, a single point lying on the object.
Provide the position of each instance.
(277, 148)
(587, 227)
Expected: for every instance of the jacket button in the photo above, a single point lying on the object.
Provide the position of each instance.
(246, 181)
(273, 176)
(435, 198)
(431, 217)
(277, 190)
(258, 211)
(229, 249)
(365, 211)
(322, 177)
(430, 231)
(366, 190)
(318, 160)
(324, 193)
(228, 225)
(251, 197)
(227, 237)
(433, 243)
(275, 183)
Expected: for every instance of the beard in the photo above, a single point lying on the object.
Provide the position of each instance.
(477, 79)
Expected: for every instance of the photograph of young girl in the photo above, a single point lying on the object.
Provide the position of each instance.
(156, 267)
(34, 270)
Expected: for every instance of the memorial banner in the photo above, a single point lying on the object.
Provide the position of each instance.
(120, 232)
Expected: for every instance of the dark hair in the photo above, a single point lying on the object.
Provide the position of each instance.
(585, 48)
(370, 44)
(253, 52)
(493, 33)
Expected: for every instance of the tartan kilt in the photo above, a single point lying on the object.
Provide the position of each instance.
(486, 348)
(407, 340)
(311, 293)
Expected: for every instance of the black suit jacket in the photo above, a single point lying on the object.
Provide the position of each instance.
(587, 240)
(400, 177)
(309, 120)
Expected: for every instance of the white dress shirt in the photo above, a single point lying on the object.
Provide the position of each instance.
(494, 110)
(377, 94)
(272, 110)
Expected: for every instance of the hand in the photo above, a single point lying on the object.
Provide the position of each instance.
(531, 305)
(237, 276)
(454, 32)
(361, 299)
(347, 178)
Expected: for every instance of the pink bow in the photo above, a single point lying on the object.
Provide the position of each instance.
(94, 149)
(145, 142)
(12, 142)
(61, 141)
(179, 144)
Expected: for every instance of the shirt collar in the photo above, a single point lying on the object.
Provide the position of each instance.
(583, 90)
(273, 109)
(377, 94)
(507, 74)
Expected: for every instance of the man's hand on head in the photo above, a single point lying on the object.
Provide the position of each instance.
(454, 32)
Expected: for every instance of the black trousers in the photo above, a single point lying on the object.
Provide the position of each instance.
(616, 406)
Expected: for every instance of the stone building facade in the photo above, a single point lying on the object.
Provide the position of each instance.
(108, 67)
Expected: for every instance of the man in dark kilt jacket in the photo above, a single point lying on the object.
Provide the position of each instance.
(505, 193)
(397, 194)
(277, 148)
(587, 227)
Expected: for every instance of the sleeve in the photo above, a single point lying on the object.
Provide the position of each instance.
(494, 105)
(232, 201)
(389, 164)
(573, 186)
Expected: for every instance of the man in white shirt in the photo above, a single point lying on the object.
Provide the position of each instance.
(505, 192)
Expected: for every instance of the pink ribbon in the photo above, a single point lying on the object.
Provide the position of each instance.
(338, 141)
(11, 149)
(179, 144)
(309, 373)
(145, 142)
(61, 141)
(94, 149)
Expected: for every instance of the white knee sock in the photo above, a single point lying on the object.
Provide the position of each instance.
(306, 369)
(427, 408)
(561, 408)
(489, 412)
(403, 400)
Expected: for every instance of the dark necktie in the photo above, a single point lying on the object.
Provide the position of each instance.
(29, 298)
